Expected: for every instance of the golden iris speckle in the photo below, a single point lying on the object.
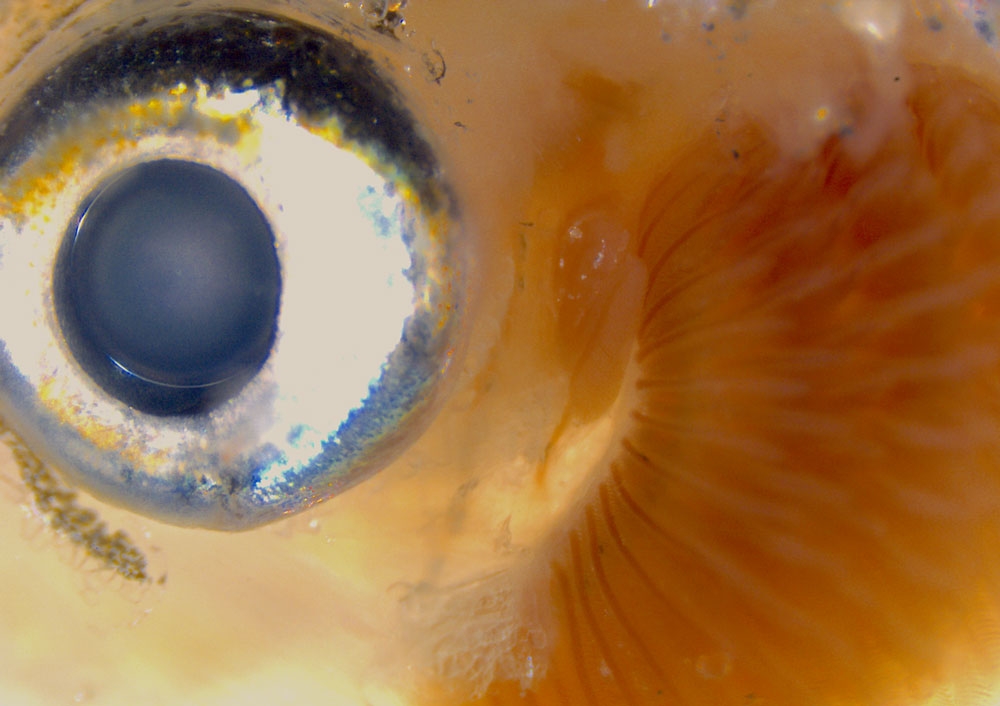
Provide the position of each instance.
(69, 154)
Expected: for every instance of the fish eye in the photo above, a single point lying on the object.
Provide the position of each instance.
(714, 415)
(177, 196)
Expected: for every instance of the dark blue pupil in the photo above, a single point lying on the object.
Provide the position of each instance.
(167, 287)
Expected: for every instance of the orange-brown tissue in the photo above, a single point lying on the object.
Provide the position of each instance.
(805, 508)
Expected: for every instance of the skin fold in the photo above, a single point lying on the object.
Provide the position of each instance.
(724, 427)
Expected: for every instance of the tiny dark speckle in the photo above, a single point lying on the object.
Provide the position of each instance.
(985, 30)
(708, 26)
(736, 154)
(738, 8)
(934, 24)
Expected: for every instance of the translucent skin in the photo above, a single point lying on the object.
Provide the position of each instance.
(726, 427)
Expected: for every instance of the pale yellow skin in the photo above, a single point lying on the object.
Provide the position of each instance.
(375, 596)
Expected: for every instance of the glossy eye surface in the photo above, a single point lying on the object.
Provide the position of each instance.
(229, 171)
(723, 429)
(168, 282)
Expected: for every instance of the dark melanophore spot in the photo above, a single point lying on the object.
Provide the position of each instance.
(65, 516)
(985, 30)
(167, 287)
(738, 8)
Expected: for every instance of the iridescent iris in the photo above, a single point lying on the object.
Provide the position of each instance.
(235, 269)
